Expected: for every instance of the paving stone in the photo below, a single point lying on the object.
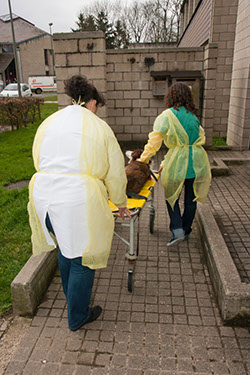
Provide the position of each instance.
(102, 359)
(82, 370)
(49, 368)
(89, 346)
(32, 368)
(119, 371)
(15, 367)
(86, 358)
(70, 358)
(100, 371)
(66, 369)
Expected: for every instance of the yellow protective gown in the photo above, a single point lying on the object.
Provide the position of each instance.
(176, 160)
(79, 163)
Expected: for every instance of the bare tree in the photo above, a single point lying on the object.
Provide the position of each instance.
(163, 19)
(136, 20)
(152, 21)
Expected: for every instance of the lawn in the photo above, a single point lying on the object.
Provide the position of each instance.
(219, 141)
(16, 165)
(50, 98)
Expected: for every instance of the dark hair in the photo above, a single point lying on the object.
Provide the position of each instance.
(180, 95)
(78, 87)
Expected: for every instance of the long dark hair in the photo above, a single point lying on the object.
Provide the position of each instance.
(78, 87)
(180, 95)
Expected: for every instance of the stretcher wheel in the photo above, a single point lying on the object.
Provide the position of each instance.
(151, 222)
(130, 281)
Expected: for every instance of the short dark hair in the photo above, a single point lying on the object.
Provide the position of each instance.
(78, 87)
(180, 95)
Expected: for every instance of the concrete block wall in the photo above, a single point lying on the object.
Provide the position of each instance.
(222, 33)
(238, 133)
(80, 53)
(210, 63)
(32, 56)
(132, 108)
(125, 79)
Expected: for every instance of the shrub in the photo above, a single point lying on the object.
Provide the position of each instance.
(19, 112)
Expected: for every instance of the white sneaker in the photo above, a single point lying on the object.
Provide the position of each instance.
(175, 240)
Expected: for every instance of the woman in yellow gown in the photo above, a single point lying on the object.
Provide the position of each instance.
(186, 162)
(79, 163)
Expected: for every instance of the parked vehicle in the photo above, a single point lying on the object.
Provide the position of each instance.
(1, 85)
(39, 84)
(11, 90)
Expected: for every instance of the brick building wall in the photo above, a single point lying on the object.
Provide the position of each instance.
(210, 64)
(223, 34)
(222, 24)
(32, 56)
(238, 133)
(198, 31)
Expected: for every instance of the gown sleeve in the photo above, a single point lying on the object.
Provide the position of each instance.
(116, 179)
(154, 144)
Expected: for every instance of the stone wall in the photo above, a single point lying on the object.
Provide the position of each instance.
(239, 110)
(132, 106)
(80, 53)
(125, 77)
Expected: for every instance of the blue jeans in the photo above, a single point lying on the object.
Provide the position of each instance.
(77, 282)
(185, 221)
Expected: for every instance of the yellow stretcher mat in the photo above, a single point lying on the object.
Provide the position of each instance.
(138, 203)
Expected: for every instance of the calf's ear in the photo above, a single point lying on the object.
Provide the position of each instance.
(128, 154)
(136, 153)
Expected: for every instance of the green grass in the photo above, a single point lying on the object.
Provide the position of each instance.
(16, 165)
(50, 98)
(219, 141)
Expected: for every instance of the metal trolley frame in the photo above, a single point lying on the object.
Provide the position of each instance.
(136, 205)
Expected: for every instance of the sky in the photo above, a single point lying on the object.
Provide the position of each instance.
(62, 13)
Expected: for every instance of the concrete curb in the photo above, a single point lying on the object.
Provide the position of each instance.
(221, 165)
(233, 296)
(32, 281)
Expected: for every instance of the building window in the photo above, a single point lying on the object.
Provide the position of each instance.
(46, 58)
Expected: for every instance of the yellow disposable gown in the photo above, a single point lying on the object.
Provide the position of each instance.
(79, 163)
(168, 128)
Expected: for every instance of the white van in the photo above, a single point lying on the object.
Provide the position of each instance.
(38, 84)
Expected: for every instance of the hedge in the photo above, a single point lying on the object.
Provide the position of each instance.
(19, 112)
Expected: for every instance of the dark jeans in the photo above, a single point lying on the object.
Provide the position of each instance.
(77, 282)
(186, 220)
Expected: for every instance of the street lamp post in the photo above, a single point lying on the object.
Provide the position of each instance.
(52, 49)
(15, 52)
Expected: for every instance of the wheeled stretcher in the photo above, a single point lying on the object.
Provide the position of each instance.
(135, 205)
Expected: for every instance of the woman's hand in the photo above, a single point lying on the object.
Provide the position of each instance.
(160, 170)
(123, 211)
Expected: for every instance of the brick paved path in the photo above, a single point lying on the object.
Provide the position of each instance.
(169, 325)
